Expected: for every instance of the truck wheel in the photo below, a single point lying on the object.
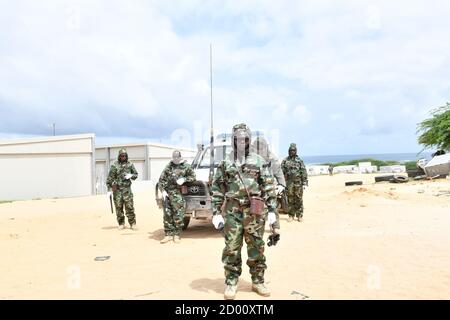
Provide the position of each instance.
(186, 221)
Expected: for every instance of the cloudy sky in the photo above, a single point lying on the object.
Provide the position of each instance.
(337, 77)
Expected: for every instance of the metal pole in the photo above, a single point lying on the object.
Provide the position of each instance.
(211, 165)
(54, 129)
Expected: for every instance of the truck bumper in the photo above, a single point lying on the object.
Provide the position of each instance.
(200, 205)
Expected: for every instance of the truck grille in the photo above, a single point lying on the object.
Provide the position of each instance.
(195, 189)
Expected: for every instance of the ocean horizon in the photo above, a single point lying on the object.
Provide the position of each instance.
(400, 157)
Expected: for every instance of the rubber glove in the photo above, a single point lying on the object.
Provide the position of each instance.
(271, 218)
(181, 181)
(217, 221)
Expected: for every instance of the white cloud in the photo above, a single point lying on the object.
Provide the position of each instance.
(147, 64)
(281, 110)
(302, 114)
(336, 116)
(374, 18)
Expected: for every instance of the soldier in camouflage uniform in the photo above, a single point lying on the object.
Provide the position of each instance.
(119, 183)
(296, 178)
(261, 147)
(176, 173)
(240, 172)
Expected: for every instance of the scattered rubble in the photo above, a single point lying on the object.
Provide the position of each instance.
(104, 258)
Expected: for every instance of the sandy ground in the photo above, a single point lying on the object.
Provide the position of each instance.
(376, 241)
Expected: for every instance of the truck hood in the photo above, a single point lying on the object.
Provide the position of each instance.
(202, 174)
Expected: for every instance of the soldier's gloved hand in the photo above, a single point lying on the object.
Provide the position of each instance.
(128, 176)
(280, 189)
(271, 218)
(164, 195)
(218, 221)
(181, 181)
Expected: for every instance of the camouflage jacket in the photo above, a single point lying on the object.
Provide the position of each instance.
(254, 172)
(275, 169)
(117, 174)
(294, 170)
(173, 172)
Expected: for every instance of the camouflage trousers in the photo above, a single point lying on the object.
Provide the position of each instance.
(123, 198)
(174, 214)
(240, 225)
(295, 199)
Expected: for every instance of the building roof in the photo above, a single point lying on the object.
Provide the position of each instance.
(46, 139)
(138, 144)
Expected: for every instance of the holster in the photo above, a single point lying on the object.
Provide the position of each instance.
(184, 189)
(257, 205)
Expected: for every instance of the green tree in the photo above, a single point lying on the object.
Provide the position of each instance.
(435, 131)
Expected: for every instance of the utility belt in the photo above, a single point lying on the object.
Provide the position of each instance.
(182, 189)
(238, 201)
(118, 188)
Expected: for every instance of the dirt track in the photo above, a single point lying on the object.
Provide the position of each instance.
(383, 241)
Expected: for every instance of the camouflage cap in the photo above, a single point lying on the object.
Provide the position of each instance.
(293, 146)
(241, 127)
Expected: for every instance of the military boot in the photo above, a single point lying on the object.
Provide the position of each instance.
(133, 227)
(166, 239)
(230, 292)
(290, 219)
(176, 239)
(121, 227)
(261, 289)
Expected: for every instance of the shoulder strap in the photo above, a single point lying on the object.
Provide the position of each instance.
(245, 186)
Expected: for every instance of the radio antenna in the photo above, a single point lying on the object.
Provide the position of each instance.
(211, 146)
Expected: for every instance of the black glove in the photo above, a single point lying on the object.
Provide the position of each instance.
(273, 240)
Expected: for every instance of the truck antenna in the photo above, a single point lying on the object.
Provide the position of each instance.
(211, 163)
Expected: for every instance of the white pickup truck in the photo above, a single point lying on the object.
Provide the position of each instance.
(198, 197)
(198, 194)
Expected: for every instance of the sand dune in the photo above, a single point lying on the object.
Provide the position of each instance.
(376, 241)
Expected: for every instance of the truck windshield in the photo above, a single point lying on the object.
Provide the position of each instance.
(220, 153)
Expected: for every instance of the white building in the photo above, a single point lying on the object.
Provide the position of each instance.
(366, 167)
(346, 169)
(314, 170)
(47, 167)
(393, 169)
(148, 158)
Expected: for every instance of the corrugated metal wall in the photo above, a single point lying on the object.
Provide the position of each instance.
(158, 156)
(61, 166)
